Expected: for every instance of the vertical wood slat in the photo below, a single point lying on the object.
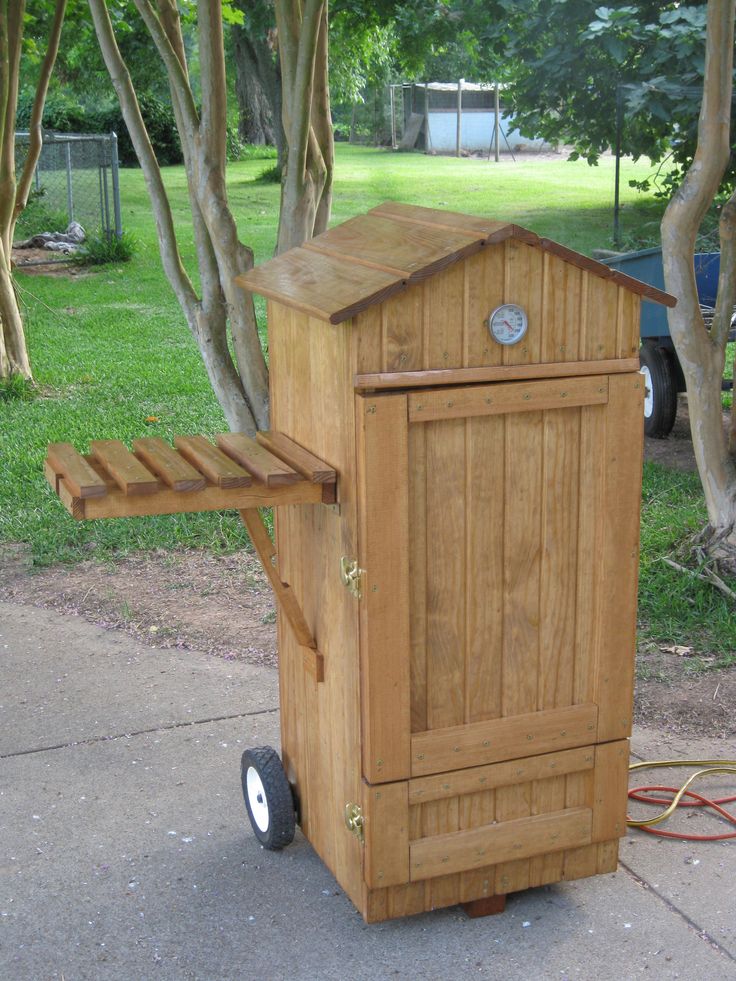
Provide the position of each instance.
(523, 284)
(561, 431)
(443, 298)
(562, 307)
(601, 319)
(620, 515)
(483, 293)
(418, 575)
(400, 328)
(484, 493)
(386, 815)
(475, 810)
(513, 802)
(592, 455)
(385, 656)
(547, 796)
(522, 531)
(445, 462)
(610, 790)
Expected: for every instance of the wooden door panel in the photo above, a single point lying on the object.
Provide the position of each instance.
(383, 555)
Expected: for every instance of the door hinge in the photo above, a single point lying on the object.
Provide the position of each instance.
(354, 820)
(350, 574)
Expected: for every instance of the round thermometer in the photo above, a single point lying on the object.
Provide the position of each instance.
(508, 323)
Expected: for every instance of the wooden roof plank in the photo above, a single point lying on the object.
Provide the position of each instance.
(370, 257)
(257, 460)
(126, 470)
(323, 286)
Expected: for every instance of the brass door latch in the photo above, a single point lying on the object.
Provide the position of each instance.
(350, 574)
(354, 821)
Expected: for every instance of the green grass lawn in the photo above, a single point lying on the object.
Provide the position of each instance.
(110, 349)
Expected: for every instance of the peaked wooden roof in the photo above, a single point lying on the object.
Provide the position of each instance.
(372, 256)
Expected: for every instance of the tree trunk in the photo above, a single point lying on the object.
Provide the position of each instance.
(306, 189)
(14, 358)
(241, 390)
(254, 110)
(702, 352)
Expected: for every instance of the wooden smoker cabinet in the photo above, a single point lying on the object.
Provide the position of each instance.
(457, 525)
(473, 590)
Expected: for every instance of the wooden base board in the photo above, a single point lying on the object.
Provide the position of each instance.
(496, 880)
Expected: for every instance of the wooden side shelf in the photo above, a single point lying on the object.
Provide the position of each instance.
(194, 475)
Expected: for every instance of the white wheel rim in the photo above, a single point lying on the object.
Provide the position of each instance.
(257, 799)
(648, 393)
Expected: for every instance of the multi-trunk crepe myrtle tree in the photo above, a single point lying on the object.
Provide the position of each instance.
(219, 308)
(14, 189)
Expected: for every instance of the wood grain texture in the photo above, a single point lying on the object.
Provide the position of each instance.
(559, 569)
(80, 479)
(522, 837)
(522, 563)
(128, 473)
(371, 257)
(492, 373)
(257, 460)
(213, 463)
(386, 814)
(610, 790)
(484, 557)
(297, 457)
(591, 504)
(440, 750)
(477, 779)
(382, 437)
(532, 396)
(411, 251)
(168, 465)
(446, 568)
(620, 568)
(312, 404)
(523, 284)
(297, 279)
(418, 545)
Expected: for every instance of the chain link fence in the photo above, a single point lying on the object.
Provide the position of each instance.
(78, 175)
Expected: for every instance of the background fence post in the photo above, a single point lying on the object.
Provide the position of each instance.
(116, 184)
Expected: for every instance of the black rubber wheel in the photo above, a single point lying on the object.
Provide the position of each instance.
(660, 396)
(268, 798)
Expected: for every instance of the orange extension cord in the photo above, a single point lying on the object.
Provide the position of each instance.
(683, 797)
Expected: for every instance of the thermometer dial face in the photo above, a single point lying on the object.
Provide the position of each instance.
(508, 323)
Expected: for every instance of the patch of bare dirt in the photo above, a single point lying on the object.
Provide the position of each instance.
(220, 604)
(42, 262)
(224, 605)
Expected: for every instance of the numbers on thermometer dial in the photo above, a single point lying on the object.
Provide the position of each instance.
(508, 323)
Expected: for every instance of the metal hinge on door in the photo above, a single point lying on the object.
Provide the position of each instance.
(350, 574)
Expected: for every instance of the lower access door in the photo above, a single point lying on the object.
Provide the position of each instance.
(499, 529)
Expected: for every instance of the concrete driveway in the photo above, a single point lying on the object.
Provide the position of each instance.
(125, 852)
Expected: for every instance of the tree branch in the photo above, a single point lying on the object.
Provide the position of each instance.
(212, 77)
(35, 128)
(168, 244)
(177, 74)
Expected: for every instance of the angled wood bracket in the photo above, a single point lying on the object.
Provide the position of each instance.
(314, 662)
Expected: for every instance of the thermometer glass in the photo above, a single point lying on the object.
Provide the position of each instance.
(508, 323)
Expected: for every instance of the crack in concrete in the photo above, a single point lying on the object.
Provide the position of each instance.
(138, 732)
(702, 934)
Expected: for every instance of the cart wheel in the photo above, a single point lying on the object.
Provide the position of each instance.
(660, 397)
(268, 797)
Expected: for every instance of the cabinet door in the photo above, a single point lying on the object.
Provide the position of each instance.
(499, 538)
